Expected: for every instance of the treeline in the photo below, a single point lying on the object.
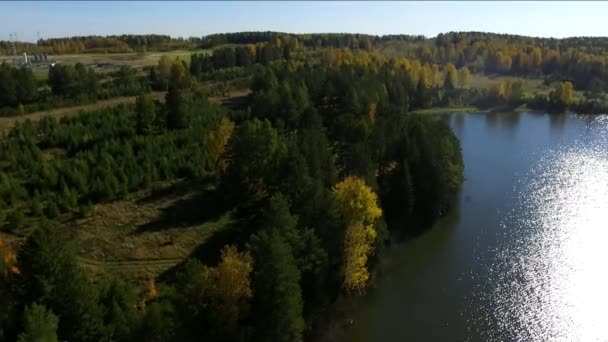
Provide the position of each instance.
(581, 60)
(240, 56)
(336, 40)
(324, 164)
(110, 44)
(9, 48)
(116, 43)
(67, 84)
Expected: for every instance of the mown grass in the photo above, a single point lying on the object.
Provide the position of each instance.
(149, 233)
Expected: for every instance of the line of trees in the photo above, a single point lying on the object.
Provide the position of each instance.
(320, 40)
(67, 84)
(115, 43)
(239, 56)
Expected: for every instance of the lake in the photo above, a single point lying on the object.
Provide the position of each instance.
(523, 255)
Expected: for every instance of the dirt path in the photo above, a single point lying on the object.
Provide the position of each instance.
(128, 264)
(8, 122)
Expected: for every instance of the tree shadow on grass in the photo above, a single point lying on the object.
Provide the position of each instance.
(205, 206)
(178, 189)
(237, 233)
(209, 252)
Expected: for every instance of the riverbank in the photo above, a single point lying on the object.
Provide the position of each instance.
(470, 109)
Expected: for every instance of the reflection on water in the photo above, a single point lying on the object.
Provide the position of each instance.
(558, 122)
(506, 121)
(550, 275)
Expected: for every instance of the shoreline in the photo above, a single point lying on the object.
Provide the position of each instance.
(469, 109)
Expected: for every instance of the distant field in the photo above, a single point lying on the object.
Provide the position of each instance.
(531, 86)
(132, 59)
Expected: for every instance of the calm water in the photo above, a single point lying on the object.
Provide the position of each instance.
(524, 257)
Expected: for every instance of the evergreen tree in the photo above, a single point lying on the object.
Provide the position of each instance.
(40, 325)
(277, 295)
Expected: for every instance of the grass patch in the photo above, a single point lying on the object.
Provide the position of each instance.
(148, 234)
(446, 110)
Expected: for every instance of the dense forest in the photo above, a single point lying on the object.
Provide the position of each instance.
(321, 164)
(581, 62)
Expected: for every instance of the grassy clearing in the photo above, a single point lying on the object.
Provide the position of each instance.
(470, 109)
(530, 85)
(133, 59)
(149, 233)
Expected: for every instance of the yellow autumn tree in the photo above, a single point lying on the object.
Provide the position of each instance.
(567, 93)
(8, 261)
(358, 206)
(178, 72)
(217, 140)
(227, 285)
(230, 280)
(148, 294)
(358, 246)
(164, 66)
(464, 78)
(500, 91)
(451, 76)
(563, 94)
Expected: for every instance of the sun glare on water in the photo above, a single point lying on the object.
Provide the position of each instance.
(552, 283)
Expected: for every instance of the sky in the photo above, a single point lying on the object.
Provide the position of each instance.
(49, 19)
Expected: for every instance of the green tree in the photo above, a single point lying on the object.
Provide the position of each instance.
(277, 294)
(40, 325)
(176, 109)
(119, 300)
(256, 155)
(49, 275)
(8, 86)
(145, 112)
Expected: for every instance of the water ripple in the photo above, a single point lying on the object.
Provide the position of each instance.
(548, 280)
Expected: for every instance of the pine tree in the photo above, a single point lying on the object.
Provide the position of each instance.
(40, 325)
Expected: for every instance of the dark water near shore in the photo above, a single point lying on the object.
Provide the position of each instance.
(523, 256)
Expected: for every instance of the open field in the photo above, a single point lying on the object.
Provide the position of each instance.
(115, 60)
(150, 232)
(530, 85)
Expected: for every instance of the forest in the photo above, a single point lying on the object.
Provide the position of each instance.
(322, 164)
